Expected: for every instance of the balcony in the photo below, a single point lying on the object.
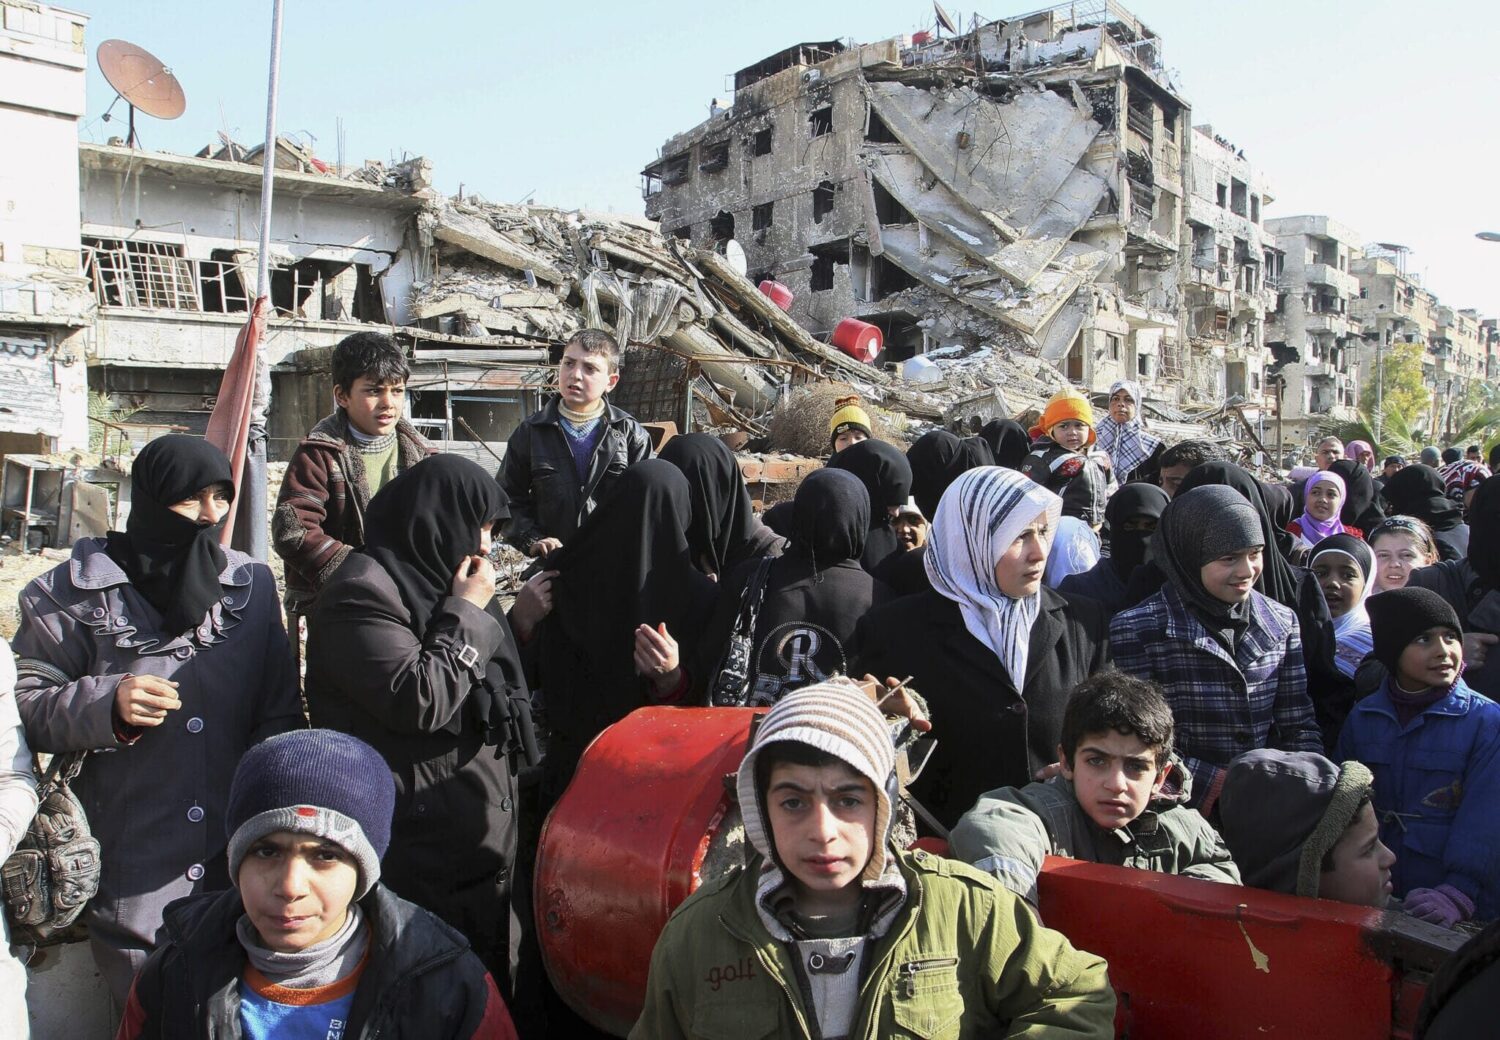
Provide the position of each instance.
(1327, 274)
(1327, 321)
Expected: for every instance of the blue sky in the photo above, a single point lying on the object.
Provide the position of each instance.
(1383, 116)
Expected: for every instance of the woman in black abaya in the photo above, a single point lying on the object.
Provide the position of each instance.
(724, 531)
(886, 475)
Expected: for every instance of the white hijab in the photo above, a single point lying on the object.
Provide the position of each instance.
(1075, 549)
(978, 518)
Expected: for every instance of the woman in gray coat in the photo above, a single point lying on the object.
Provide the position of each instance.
(163, 654)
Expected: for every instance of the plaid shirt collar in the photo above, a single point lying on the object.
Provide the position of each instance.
(1266, 630)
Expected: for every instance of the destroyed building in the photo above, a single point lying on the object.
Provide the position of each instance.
(1019, 186)
(1314, 337)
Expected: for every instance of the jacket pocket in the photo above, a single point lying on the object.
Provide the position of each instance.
(735, 1019)
(925, 1000)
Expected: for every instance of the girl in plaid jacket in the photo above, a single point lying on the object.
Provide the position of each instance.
(1228, 658)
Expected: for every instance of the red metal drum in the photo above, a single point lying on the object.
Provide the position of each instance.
(778, 294)
(645, 819)
(859, 339)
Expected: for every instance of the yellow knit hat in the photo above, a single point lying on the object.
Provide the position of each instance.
(1064, 405)
(847, 414)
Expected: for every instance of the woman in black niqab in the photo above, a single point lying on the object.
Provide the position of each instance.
(937, 459)
(1361, 507)
(724, 531)
(1418, 491)
(172, 560)
(887, 476)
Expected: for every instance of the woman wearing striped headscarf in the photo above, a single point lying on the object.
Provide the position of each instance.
(1133, 453)
(993, 650)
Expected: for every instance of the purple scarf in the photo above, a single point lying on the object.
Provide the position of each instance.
(1313, 529)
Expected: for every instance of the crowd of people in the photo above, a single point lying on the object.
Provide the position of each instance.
(1110, 648)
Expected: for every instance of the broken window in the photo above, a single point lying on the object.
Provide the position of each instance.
(1237, 198)
(1223, 190)
(876, 131)
(888, 211)
(760, 144)
(887, 279)
(760, 216)
(820, 122)
(721, 227)
(674, 170)
(1255, 209)
(822, 201)
(685, 232)
(1141, 115)
(1113, 344)
(825, 257)
(714, 157)
(128, 273)
(222, 285)
(1104, 103)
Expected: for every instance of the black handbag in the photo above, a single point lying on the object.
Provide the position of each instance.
(731, 686)
(54, 871)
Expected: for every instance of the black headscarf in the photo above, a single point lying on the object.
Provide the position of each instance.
(1418, 491)
(628, 565)
(419, 528)
(1008, 440)
(1484, 533)
(936, 459)
(1277, 581)
(1127, 549)
(886, 475)
(830, 518)
(1361, 504)
(1200, 525)
(723, 516)
(172, 561)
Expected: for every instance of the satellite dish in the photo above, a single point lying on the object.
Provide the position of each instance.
(942, 18)
(142, 80)
(735, 254)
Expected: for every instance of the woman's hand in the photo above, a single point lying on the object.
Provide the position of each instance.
(533, 603)
(144, 700)
(893, 700)
(656, 657)
(475, 581)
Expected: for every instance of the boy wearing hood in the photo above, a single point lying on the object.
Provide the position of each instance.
(1059, 459)
(1120, 799)
(833, 932)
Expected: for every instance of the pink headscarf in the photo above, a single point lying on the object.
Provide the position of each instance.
(1353, 448)
(1313, 529)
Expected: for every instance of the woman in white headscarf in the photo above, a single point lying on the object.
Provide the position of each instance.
(1075, 549)
(1345, 568)
(1132, 451)
(993, 650)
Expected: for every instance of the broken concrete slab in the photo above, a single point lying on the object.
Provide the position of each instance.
(476, 236)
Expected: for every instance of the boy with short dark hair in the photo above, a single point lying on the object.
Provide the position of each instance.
(1299, 824)
(309, 943)
(340, 465)
(1120, 799)
(1434, 747)
(837, 933)
(563, 459)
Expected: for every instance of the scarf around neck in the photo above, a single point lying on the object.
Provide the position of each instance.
(1351, 632)
(1128, 444)
(1200, 525)
(172, 561)
(321, 964)
(978, 518)
(1313, 529)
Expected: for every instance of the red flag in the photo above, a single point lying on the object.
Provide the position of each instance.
(229, 425)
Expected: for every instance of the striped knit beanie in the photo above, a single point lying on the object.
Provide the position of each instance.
(836, 717)
(317, 782)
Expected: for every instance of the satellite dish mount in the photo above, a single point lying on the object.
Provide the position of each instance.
(142, 81)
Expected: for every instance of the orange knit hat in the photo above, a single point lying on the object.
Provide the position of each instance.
(1064, 405)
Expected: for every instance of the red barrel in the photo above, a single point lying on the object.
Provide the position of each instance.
(919, 38)
(779, 294)
(640, 826)
(859, 339)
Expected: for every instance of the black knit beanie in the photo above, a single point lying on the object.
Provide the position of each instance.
(1400, 615)
(318, 782)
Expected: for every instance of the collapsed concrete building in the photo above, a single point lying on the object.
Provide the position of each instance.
(1020, 186)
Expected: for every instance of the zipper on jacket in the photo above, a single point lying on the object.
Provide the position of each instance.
(772, 969)
(908, 972)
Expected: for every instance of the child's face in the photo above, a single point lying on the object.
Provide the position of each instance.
(1232, 577)
(1114, 777)
(848, 437)
(823, 824)
(1362, 864)
(1434, 658)
(1323, 501)
(372, 406)
(296, 889)
(1342, 581)
(911, 530)
(1072, 434)
(585, 378)
(1396, 555)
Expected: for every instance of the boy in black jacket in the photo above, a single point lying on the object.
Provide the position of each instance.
(309, 943)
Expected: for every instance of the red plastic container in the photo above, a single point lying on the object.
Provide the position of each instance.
(859, 339)
(779, 294)
(919, 38)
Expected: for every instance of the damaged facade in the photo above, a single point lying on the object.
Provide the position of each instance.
(1020, 187)
(45, 307)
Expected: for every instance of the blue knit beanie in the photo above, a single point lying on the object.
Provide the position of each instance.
(319, 782)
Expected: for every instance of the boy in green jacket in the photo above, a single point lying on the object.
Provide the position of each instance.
(832, 932)
(1120, 799)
